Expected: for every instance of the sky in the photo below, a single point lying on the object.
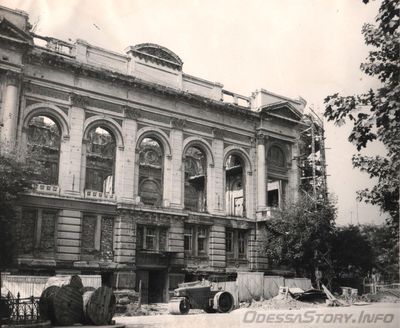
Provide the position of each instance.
(307, 48)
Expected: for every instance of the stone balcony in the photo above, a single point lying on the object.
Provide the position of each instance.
(99, 195)
(47, 189)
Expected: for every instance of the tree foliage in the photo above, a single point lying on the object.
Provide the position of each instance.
(376, 113)
(19, 171)
(301, 236)
(352, 254)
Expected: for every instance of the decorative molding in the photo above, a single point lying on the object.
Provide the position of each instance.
(131, 113)
(178, 123)
(218, 133)
(13, 78)
(79, 100)
(261, 138)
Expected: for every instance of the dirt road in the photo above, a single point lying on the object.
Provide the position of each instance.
(379, 315)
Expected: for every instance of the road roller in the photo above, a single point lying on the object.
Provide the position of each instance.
(197, 296)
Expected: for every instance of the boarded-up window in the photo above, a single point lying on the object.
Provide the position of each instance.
(150, 172)
(88, 234)
(44, 138)
(47, 231)
(28, 230)
(106, 242)
(195, 179)
(100, 160)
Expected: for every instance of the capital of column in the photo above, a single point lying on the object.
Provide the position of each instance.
(218, 133)
(178, 123)
(13, 78)
(131, 112)
(261, 138)
(78, 100)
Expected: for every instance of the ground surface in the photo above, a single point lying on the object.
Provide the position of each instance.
(380, 315)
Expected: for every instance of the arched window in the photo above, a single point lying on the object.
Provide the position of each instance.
(234, 189)
(275, 156)
(151, 171)
(100, 160)
(195, 179)
(44, 137)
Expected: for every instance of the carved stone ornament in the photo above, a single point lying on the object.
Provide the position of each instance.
(261, 138)
(79, 100)
(131, 113)
(178, 123)
(13, 78)
(218, 133)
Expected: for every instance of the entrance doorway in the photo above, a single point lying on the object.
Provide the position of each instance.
(157, 286)
(154, 285)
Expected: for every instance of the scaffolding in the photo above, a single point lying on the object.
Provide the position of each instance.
(312, 159)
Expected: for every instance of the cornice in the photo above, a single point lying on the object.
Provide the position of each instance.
(63, 62)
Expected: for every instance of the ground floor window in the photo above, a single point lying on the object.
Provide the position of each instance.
(236, 243)
(151, 238)
(196, 240)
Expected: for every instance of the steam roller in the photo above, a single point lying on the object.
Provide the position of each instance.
(195, 295)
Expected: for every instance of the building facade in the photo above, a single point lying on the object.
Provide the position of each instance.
(153, 175)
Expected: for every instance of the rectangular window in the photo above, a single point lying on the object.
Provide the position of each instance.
(163, 239)
(151, 238)
(229, 241)
(196, 240)
(242, 244)
(202, 240)
(188, 233)
(139, 237)
(236, 243)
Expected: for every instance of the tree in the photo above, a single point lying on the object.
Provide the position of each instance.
(376, 114)
(301, 236)
(19, 171)
(351, 252)
(385, 250)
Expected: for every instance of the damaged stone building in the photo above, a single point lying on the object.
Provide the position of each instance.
(153, 175)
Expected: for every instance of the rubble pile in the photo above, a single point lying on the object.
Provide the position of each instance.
(125, 298)
(278, 302)
(384, 296)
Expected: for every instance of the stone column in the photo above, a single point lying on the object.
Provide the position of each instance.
(217, 183)
(176, 162)
(294, 173)
(10, 111)
(126, 184)
(72, 165)
(261, 174)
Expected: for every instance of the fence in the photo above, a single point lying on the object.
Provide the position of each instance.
(20, 310)
(28, 286)
(254, 285)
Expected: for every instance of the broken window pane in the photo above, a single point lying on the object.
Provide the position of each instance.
(44, 137)
(100, 160)
(195, 179)
(235, 195)
(276, 192)
(150, 172)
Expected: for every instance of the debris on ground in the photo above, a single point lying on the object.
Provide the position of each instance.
(383, 296)
(278, 302)
(312, 295)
